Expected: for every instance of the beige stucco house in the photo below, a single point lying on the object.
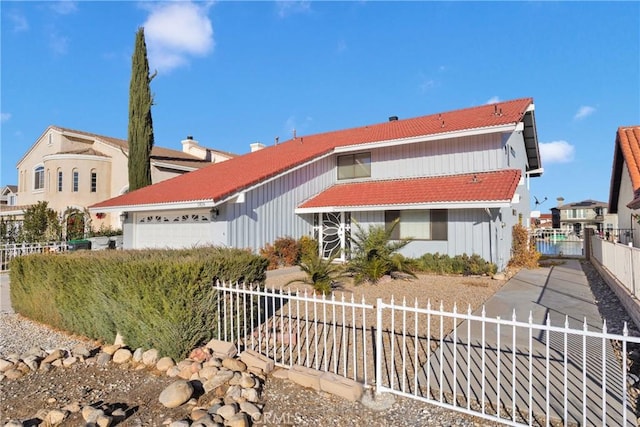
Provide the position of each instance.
(73, 169)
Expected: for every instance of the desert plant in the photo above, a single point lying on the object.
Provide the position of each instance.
(308, 247)
(284, 252)
(374, 254)
(523, 250)
(321, 273)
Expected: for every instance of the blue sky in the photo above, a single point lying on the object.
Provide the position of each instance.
(234, 73)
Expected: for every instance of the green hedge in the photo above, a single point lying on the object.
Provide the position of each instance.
(459, 264)
(159, 299)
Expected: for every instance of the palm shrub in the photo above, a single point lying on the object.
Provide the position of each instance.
(374, 254)
(321, 273)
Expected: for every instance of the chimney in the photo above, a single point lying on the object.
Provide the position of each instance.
(393, 118)
(188, 144)
(560, 201)
(256, 146)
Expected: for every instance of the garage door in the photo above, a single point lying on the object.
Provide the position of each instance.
(173, 229)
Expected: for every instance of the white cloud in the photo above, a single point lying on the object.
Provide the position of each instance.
(556, 152)
(4, 117)
(289, 7)
(58, 44)
(19, 22)
(427, 84)
(583, 112)
(64, 7)
(493, 100)
(175, 31)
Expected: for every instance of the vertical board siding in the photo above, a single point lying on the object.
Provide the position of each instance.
(273, 204)
(446, 157)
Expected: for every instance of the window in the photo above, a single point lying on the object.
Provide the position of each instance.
(38, 178)
(94, 181)
(59, 181)
(354, 166)
(75, 181)
(575, 214)
(418, 224)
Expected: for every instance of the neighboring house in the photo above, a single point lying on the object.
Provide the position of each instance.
(624, 194)
(457, 181)
(9, 196)
(542, 221)
(72, 169)
(575, 217)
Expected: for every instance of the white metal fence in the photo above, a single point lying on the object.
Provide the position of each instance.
(510, 371)
(553, 241)
(11, 251)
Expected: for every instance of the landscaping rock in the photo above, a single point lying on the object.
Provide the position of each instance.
(164, 364)
(55, 417)
(150, 357)
(176, 394)
(234, 364)
(227, 411)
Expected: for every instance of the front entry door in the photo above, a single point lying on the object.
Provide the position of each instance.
(335, 235)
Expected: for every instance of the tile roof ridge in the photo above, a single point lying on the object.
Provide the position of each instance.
(400, 120)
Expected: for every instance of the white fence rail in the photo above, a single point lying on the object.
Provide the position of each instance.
(622, 261)
(505, 370)
(10, 251)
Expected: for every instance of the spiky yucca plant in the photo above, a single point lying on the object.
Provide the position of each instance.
(374, 254)
(321, 273)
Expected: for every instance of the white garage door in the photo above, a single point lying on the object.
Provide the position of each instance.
(172, 229)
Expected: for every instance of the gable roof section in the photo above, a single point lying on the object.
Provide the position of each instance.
(627, 150)
(215, 183)
(472, 190)
(159, 155)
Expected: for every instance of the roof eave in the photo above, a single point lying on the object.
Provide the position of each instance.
(194, 204)
(425, 138)
(413, 206)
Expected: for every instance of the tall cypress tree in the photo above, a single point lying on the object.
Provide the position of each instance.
(140, 135)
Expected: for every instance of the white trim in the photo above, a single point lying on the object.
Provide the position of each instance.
(156, 207)
(173, 166)
(71, 156)
(434, 205)
(426, 138)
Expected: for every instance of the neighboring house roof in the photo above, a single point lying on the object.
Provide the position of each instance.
(9, 189)
(464, 189)
(216, 183)
(583, 204)
(627, 150)
(160, 156)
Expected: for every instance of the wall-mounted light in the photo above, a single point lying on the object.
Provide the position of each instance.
(214, 213)
(123, 216)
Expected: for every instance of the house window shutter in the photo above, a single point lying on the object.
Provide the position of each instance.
(439, 224)
(389, 218)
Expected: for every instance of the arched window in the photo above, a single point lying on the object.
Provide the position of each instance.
(76, 178)
(59, 180)
(94, 181)
(38, 178)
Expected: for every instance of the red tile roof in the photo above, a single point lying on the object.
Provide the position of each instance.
(218, 181)
(627, 150)
(473, 187)
(630, 145)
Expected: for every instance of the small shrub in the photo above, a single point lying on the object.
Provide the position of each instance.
(308, 247)
(321, 273)
(374, 254)
(459, 264)
(284, 252)
(523, 250)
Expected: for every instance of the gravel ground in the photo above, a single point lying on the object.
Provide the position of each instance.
(284, 402)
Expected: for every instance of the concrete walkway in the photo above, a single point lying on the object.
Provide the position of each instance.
(575, 366)
(5, 298)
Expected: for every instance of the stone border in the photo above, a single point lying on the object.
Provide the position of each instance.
(630, 303)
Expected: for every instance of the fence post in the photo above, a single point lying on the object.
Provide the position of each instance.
(588, 235)
(378, 347)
